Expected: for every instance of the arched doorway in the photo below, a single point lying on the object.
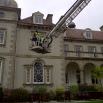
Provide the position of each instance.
(72, 74)
(88, 78)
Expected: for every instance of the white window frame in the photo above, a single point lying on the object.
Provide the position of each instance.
(33, 76)
(88, 34)
(28, 82)
(4, 35)
(38, 19)
(1, 69)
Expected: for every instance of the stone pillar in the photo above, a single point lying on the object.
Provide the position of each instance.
(82, 76)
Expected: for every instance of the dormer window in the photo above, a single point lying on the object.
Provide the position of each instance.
(38, 18)
(88, 34)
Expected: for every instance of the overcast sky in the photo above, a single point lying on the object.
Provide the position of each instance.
(90, 17)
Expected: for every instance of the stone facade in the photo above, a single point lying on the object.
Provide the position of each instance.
(68, 63)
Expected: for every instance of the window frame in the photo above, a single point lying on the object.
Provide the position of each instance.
(38, 19)
(88, 34)
(2, 14)
(102, 50)
(4, 36)
(66, 47)
(43, 73)
(78, 53)
(92, 53)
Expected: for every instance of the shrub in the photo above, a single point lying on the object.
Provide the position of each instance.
(52, 94)
(99, 88)
(40, 93)
(60, 93)
(87, 88)
(74, 89)
(67, 95)
(19, 95)
(40, 90)
(90, 92)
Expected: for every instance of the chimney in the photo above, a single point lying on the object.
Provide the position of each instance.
(49, 18)
(101, 28)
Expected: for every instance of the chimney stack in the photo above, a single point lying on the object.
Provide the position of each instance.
(49, 19)
(101, 28)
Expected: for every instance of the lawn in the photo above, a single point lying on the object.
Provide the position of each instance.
(96, 101)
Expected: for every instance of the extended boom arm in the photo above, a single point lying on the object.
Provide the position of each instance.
(67, 18)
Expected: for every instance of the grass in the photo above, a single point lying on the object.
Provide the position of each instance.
(96, 101)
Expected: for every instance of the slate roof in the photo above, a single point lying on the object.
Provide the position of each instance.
(78, 34)
(30, 21)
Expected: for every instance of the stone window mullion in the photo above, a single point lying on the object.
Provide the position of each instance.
(48, 75)
(28, 74)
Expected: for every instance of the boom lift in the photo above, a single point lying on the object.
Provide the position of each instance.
(61, 25)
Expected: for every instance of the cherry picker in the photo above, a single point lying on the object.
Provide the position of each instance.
(42, 44)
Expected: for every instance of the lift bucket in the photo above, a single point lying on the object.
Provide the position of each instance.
(39, 44)
(39, 49)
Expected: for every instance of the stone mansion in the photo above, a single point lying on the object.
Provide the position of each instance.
(72, 55)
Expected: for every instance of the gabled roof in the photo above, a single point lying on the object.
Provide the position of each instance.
(38, 13)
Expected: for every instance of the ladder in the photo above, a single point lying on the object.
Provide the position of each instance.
(67, 18)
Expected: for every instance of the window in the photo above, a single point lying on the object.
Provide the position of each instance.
(48, 75)
(92, 51)
(88, 34)
(1, 14)
(1, 67)
(78, 50)
(66, 48)
(38, 73)
(102, 50)
(38, 76)
(2, 36)
(38, 19)
(28, 75)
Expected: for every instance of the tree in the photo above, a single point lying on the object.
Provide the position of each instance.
(97, 73)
